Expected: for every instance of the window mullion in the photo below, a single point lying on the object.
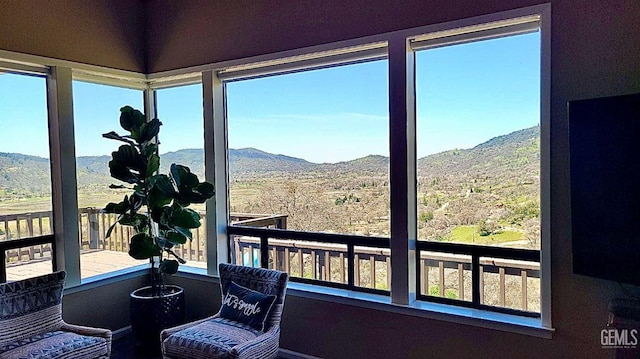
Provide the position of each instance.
(215, 159)
(63, 169)
(402, 150)
(545, 166)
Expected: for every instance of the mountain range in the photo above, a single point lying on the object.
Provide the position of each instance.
(515, 152)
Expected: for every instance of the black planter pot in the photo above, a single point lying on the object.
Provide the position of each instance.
(150, 314)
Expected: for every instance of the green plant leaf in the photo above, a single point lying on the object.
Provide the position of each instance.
(149, 130)
(205, 189)
(183, 178)
(121, 173)
(136, 201)
(153, 163)
(132, 120)
(162, 217)
(143, 246)
(127, 164)
(137, 221)
(168, 266)
(111, 227)
(185, 218)
(118, 208)
(161, 192)
(150, 149)
(114, 136)
(190, 190)
(185, 232)
(202, 193)
(164, 243)
(163, 183)
(177, 238)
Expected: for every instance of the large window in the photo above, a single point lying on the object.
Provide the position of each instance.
(312, 146)
(308, 157)
(478, 167)
(25, 172)
(425, 148)
(309, 151)
(478, 129)
(97, 111)
(181, 140)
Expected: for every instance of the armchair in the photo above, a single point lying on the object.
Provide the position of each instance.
(31, 324)
(220, 337)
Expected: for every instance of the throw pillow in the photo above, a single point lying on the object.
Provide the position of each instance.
(246, 306)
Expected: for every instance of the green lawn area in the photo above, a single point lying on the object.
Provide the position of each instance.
(470, 234)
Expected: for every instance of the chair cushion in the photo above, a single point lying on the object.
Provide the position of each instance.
(55, 345)
(246, 306)
(214, 338)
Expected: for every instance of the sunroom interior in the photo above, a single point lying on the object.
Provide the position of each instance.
(586, 49)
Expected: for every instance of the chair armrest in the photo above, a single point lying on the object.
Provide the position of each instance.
(88, 331)
(91, 332)
(169, 331)
(266, 345)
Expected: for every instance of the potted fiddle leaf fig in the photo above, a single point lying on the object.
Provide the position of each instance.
(157, 210)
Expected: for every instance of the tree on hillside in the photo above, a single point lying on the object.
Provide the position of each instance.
(304, 204)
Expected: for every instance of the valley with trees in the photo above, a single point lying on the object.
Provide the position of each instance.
(488, 194)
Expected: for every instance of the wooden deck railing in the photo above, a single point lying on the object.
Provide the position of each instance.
(93, 225)
(476, 276)
(26, 225)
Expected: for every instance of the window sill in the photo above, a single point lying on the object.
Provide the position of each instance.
(109, 278)
(436, 311)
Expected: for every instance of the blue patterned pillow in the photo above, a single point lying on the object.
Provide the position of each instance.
(246, 306)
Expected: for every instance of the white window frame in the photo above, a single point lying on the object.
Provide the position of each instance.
(400, 47)
(399, 51)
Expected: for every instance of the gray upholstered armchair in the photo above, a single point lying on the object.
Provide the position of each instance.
(220, 337)
(31, 324)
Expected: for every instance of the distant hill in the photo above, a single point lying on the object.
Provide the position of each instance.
(498, 157)
(502, 156)
(22, 175)
(248, 161)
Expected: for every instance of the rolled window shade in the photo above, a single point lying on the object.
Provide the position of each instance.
(492, 30)
(22, 68)
(311, 61)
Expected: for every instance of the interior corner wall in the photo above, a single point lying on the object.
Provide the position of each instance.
(594, 52)
(182, 34)
(98, 32)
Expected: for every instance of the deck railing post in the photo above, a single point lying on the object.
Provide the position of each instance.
(94, 229)
(475, 280)
(356, 270)
(351, 258)
(502, 286)
(3, 267)
(461, 281)
(525, 301)
(264, 252)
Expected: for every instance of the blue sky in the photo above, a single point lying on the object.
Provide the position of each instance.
(466, 94)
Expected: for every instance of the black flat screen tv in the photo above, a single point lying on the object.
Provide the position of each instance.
(604, 145)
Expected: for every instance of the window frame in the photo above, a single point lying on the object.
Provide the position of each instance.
(30, 69)
(500, 28)
(402, 152)
(401, 46)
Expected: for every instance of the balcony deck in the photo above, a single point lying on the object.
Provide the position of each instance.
(92, 263)
(499, 278)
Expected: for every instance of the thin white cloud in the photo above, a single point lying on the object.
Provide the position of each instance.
(333, 116)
